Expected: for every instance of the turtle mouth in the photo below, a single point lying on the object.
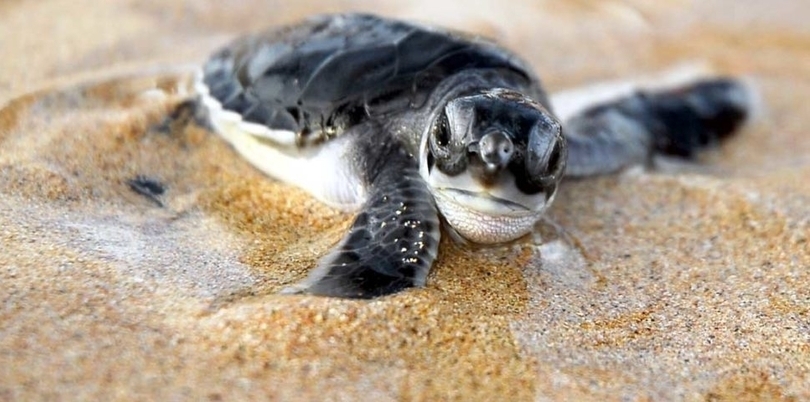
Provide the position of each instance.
(499, 212)
(485, 202)
(500, 198)
(484, 218)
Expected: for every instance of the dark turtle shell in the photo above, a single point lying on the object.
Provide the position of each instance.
(331, 72)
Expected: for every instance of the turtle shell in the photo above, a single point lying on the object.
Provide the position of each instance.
(331, 72)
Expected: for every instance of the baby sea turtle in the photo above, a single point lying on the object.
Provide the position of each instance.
(403, 123)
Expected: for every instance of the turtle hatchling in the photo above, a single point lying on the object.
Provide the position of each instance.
(408, 126)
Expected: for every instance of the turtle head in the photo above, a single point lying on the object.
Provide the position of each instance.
(493, 160)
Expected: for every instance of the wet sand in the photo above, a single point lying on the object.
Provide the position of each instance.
(690, 281)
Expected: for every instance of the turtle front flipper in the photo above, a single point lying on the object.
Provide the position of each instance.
(392, 242)
(678, 122)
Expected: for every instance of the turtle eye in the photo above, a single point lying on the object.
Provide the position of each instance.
(556, 159)
(552, 170)
(443, 151)
(545, 160)
(441, 131)
(440, 138)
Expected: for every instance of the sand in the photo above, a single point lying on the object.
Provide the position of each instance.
(685, 282)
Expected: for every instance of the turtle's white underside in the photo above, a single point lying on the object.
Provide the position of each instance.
(326, 171)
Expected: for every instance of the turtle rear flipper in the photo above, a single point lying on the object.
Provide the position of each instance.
(676, 122)
(393, 240)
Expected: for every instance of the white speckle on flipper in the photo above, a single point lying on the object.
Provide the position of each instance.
(568, 103)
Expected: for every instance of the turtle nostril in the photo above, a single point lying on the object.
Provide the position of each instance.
(506, 150)
(496, 149)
